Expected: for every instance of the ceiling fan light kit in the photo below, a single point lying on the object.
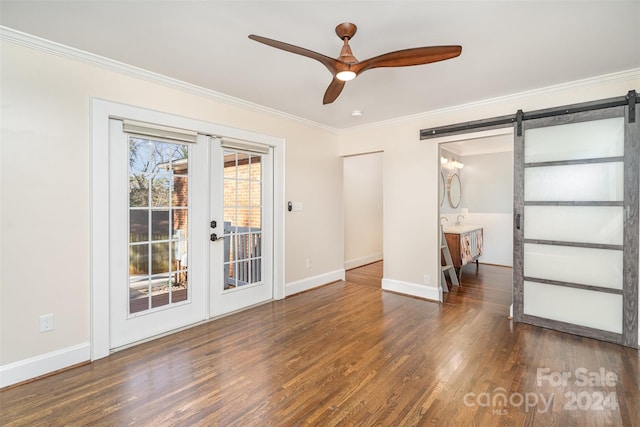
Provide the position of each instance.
(345, 76)
(346, 67)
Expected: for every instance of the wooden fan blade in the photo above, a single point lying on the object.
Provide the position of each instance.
(330, 63)
(334, 89)
(407, 57)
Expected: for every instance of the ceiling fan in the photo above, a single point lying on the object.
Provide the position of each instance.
(346, 67)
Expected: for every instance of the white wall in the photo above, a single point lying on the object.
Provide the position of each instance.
(363, 198)
(45, 196)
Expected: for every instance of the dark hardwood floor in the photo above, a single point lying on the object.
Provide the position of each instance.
(347, 354)
(484, 287)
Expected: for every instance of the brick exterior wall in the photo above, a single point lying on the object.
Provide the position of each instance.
(249, 176)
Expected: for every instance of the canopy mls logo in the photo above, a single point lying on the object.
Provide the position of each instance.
(499, 401)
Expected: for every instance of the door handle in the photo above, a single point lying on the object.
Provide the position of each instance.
(214, 237)
(518, 221)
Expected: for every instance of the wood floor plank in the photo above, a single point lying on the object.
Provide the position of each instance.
(345, 354)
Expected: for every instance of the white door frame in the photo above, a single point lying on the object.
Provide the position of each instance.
(479, 134)
(101, 112)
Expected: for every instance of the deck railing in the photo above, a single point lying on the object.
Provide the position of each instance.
(242, 255)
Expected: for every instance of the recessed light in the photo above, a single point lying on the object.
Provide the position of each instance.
(356, 113)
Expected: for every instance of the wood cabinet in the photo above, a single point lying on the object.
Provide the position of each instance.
(465, 246)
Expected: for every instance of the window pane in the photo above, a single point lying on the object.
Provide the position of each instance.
(138, 191)
(139, 151)
(243, 217)
(587, 182)
(160, 191)
(257, 244)
(584, 224)
(230, 192)
(138, 225)
(181, 261)
(255, 173)
(180, 161)
(243, 166)
(160, 225)
(138, 293)
(230, 218)
(256, 193)
(180, 196)
(586, 140)
(593, 309)
(160, 258)
(138, 260)
(587, 266)
(180, 224)
(161, 155)
(160, 287)
(229, 165)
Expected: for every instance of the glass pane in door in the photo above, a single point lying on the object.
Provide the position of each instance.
(158, 224)
(242, 219)
(573, 223)
(581, 307)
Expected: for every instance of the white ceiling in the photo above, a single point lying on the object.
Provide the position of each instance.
(508, 47)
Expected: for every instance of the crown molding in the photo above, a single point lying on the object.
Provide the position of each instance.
(54, 48)
(62, 50)
(626, 75)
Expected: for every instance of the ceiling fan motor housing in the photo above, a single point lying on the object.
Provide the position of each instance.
(346, 29)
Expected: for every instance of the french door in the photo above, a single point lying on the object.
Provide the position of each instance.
(576, 224)
(157, 230)
(241, 267)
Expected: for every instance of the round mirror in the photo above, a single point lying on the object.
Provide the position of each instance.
(455, 190)
(441, 188)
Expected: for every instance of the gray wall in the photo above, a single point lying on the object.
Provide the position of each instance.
(487, 183)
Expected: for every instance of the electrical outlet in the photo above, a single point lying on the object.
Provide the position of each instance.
(308, 263)
(46, 322)
(427, 279)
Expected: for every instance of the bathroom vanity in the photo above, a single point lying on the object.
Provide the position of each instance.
(465, 244)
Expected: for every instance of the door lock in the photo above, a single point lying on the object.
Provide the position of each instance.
(213, 224)
(214, 237)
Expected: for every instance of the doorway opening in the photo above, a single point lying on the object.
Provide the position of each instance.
(476, 219)
(363, 213)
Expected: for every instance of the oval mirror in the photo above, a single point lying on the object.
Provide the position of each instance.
(441, 188)
(455, 190)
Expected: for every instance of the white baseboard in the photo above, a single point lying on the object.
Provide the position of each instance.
(313, 282)
(359, 262)
(36, 366)
(413, 289)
